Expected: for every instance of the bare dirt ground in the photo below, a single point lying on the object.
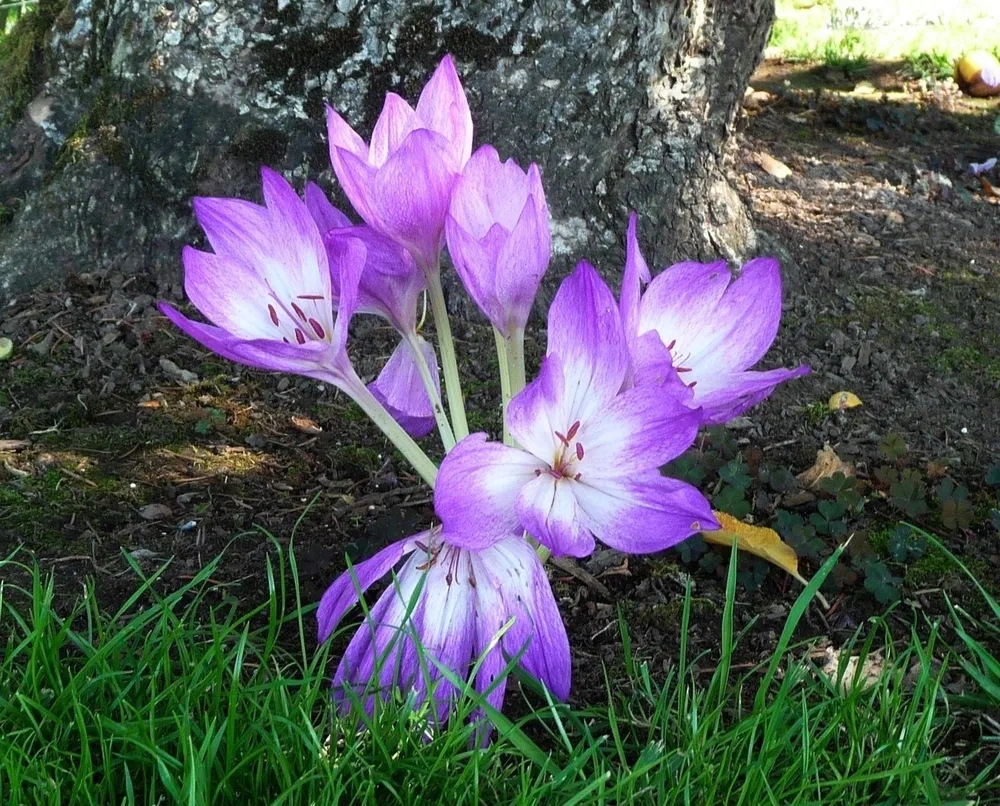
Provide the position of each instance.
(122, 440)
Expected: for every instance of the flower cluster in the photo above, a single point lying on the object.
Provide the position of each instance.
(623, 388)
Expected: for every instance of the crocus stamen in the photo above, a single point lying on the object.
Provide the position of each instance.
(300, 337)
(318, 328)
(274, 314)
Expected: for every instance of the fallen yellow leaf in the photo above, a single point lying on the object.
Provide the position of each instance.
(844, 400)
(757, 540)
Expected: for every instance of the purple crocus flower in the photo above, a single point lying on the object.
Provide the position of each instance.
(467, 598)
(268, 288)
(591, 454)
(498, 236)
(401, 182)
(694, 320)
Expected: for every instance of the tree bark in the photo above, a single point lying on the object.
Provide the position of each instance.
(625, 104)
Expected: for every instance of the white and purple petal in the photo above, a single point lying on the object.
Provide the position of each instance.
(477, 487)
(646, 513)
(585, 332)
(401, 390)
(548, 509)
(349, 586)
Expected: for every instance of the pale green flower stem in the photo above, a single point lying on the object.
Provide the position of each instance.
(446, 346)
(444, 427)
(510, 357)
(504, 381)
(404, 443)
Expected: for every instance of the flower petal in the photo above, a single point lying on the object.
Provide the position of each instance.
(680, 304)
(636, 275)
(645, 514)
(400, 389)
(297, 267)
(652, 363)
(314, 359)
(475, 264)
(747, 317)
(585, 331)
(639, 431)
(326, 216)
(444, 108)
(394, 123)
(228, 293)
(236, 229)
(382, 656)
(350, 585)
(548, 510)
(410, 195)
(540, 410)
(527, 595)
(390, 282)
(476, 490)
(726, 396)
(448, 627)
(523, 260)
(343, 138)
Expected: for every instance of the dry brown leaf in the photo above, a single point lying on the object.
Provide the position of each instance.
(988, 189)
(844, 400)
(827, 463)
(757, 540)
(307, 426)
(846, 674)
(149, 404)
(775, 167)
(936, 470)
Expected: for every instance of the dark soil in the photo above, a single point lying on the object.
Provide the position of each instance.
(890, 254)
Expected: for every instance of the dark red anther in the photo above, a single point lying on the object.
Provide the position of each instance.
(318, 328)
(285, 340)
(683, 369)
(299, 312)
(579, 451)
(420, 545)
(573, 429)
(671, 345)
(577, 477)
(310, 296)
(538, 471)
(300, 337)
(274, 314)
(562, 439)
(692, 384)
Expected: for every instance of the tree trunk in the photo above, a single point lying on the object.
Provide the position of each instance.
(140, 106)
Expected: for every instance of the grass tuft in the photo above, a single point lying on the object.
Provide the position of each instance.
(183, 697)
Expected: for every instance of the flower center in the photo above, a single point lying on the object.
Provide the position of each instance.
(455, 559)
(293, 322)
(569, 453)
(679, 361)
